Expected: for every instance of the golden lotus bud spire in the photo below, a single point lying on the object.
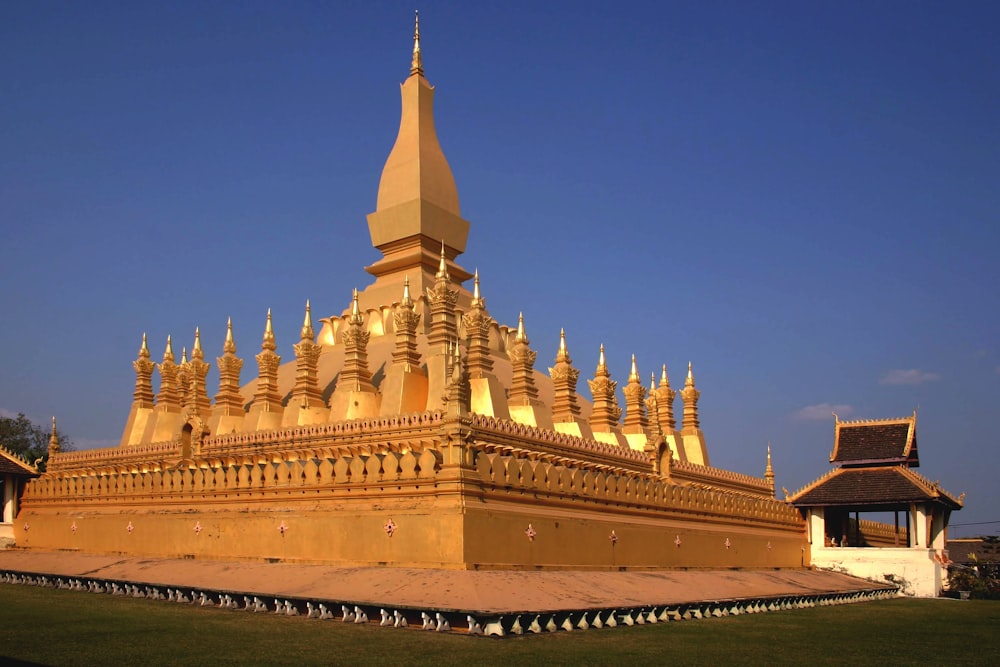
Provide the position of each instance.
(652, 382)
(196, 351)
(407, 299)
(442, 265)
(562, 340)
(690, 377)
(633, 375)
(230, 344)
(355, 308)
(307, 324)
(602, 366)
(268, 343)
(664, 378)
(416, 63)
(144, 349)
(475, 287)
(54, 438)
(521, 336)
(184, 354)
(168, 354)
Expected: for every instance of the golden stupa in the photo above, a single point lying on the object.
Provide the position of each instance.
(411, 430)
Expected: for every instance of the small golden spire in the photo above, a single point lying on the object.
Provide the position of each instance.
(355, 308)
(521, 337)
(769, 468)
(652, 382)
(54, 438)
(633, 375)
(196, 352)
(562, 341)
(442, 265)
(416, 63)
(230, 345)
(407, 299)
(168, 354)
(269, 343)
(690, 378)
(475, 287)
(602, 366)
(664, 378)
(144, 350)
(307, 324)
(184, 354)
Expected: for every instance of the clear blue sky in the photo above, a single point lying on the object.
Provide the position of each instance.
(800, 198)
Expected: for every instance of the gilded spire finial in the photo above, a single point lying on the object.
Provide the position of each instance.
(442, 265)
(307, 324)
(407, 299)
(168, 354)
(416, 63)
(184, 354)
(144, 349)
(268, 343)
(690, 377)
(521, 336)
(230, 344)
(652, 382)
(355, 308)
(475, 287)
(633, 375)
(196, 352)
(602, 365)
(53, 438)
(562, 340)
(664, 378)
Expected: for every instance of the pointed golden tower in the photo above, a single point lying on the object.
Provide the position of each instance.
(404, 389)
(166, 421)
(184, 378)
(54, 447)
(565, 409)
(443, 333)
(523, 401)
(769, 470)
(355, 396)
(691, 434)
(142, 398)
(417, 198)
(306, 405)
(198, 402)
(266, 409)
(665, 396)
(606, 413)
(636, 424)
(228, 413)
(488, 396)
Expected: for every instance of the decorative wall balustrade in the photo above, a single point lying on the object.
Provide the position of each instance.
(647, 491)
(207, 477)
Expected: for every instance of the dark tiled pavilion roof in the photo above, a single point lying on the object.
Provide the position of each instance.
(881, 486)
(12, 464)
(876, 441)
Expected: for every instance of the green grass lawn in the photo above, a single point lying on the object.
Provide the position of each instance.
(59, 627)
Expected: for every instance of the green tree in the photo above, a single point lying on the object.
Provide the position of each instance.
(30, 441)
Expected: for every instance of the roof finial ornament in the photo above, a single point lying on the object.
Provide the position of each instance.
(601, 364)
(417, 63)
(521, 337)
(407, 299)
(690, 378)
(269, 342)
(144, 350)
(168, 353)
(196, 351)
(476, 296)
(442, 265)
(307, 324)
(633, 375)
(54, 447)
(230, 344)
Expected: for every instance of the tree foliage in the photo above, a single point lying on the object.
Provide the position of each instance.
(23, 437)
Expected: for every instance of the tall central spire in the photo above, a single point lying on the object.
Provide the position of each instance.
(417, 206)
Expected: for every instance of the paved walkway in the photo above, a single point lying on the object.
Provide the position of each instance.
(478, 592)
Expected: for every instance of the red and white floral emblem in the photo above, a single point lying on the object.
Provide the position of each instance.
(530, 532)
(389, 527)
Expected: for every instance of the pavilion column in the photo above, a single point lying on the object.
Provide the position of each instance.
(9, 498)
